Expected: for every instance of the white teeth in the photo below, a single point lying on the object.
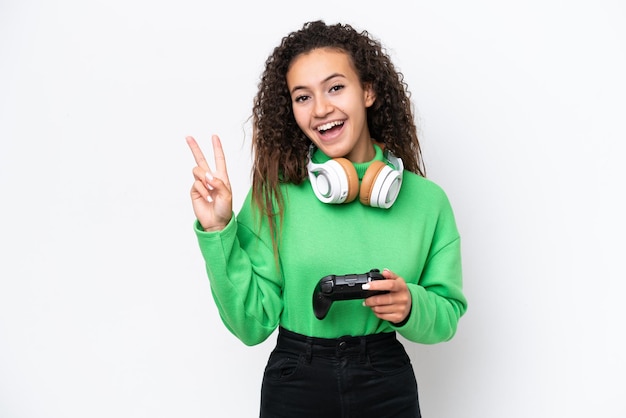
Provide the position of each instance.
(329, 125)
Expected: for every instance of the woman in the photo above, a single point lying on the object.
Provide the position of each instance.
(332, 121)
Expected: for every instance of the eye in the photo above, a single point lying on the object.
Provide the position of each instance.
(336, 87)
(301, 98)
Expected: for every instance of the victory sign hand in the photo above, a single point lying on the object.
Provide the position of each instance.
(211, 195)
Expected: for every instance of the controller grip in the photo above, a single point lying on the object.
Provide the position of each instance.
(321, 305)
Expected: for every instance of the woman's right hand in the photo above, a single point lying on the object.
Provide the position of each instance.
(211, 196)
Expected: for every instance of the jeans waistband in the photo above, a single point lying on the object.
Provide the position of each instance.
(334, 346)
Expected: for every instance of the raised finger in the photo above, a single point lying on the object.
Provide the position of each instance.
(197, 154)
(220, 160)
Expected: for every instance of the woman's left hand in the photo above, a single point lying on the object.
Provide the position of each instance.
(394, 306)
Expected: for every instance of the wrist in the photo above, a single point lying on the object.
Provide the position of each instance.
(214, 228)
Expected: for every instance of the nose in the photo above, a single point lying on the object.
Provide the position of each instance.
(322, 107)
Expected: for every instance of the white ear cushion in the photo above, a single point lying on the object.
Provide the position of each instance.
(386, 188)
(329, 181)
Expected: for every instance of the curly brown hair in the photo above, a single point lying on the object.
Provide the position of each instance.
(280, 148)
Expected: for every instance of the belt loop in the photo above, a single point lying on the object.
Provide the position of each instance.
(363, 356)
(309, 349)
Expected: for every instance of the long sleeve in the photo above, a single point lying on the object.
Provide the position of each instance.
(246, 289)
(438, 300)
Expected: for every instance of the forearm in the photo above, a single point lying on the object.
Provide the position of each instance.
(246, 293)
(433, 318)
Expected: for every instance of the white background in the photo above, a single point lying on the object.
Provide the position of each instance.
(105, 309)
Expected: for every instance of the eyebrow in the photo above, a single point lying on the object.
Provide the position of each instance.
(330, 77)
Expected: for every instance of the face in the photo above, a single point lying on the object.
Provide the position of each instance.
(330, 104)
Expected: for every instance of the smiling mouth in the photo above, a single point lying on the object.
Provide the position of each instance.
(328, 126)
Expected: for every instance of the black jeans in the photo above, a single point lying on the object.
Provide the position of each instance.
(362, 377)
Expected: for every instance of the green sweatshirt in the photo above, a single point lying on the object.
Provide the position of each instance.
(416, 238)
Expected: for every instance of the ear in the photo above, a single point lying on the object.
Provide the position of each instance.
(369, 94)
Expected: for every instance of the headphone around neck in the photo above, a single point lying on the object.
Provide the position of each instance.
(336, 181)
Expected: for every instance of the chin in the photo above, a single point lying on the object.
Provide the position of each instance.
(332, 150)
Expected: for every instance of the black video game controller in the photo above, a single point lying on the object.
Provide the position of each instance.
(331, 288)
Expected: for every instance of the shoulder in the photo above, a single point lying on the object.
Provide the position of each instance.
(424, 199)
(424, 196)
(418, 186)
